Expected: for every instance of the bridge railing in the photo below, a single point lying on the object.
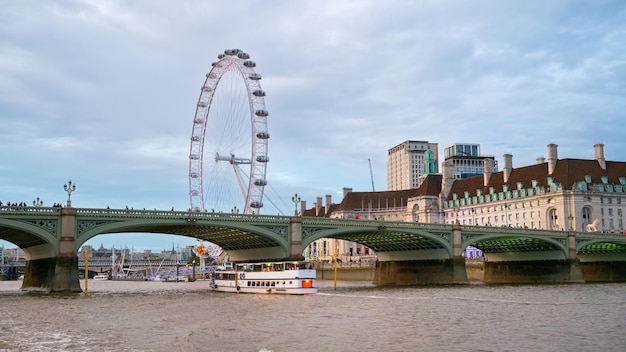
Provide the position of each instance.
(12, 210)
(373, 223)
(171, 214)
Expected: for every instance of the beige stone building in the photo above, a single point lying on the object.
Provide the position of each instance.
(406, 161)
(556, 194)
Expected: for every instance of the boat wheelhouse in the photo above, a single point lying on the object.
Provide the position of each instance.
(292, 277)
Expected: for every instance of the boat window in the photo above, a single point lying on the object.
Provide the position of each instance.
(267, 283)
(273, 283)
(258, 283)
(283, 282)
(253, 283)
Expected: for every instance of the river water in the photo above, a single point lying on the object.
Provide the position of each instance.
(159, 316)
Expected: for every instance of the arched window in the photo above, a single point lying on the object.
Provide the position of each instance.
(553, 220)
(586, 216)
(414, 213)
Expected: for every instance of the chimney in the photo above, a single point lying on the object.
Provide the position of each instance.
(487, 170)
(552, 157)
(302, 207)
(328, 199)
(508, 167)
(318, 206)
(448, 178)
(346, 190)
(540, 160)
(599, 155)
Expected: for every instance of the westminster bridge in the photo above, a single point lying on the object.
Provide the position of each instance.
(408, 253)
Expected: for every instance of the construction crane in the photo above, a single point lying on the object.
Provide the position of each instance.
(371, 174)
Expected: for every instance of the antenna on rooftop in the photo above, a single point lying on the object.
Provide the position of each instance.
(371, 174)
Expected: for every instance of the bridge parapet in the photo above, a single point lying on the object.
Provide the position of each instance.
(374, 223)
(165, 214)
(28, 210)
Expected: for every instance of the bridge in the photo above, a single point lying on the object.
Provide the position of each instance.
(408, 253)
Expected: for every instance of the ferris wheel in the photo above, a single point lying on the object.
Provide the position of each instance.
(228, 155)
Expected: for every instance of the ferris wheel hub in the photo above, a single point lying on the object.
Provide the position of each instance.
(232, 159)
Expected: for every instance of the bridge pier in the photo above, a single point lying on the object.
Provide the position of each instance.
(421, 272)
(533, 272)
(295, 243)
(58, 274)
(609, 271)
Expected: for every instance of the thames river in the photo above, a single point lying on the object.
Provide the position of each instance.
(160, 316)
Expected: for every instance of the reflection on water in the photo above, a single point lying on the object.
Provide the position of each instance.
(159, 316)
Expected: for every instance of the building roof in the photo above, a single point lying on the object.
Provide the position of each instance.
(567, 172)
(431, 186)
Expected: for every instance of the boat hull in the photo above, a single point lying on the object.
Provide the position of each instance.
(277, 279)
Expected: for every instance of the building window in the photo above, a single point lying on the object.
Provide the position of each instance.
(586, 216)
(553, 223)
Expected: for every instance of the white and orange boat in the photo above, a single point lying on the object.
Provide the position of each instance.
(294, 277)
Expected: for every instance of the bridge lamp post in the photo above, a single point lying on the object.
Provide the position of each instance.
(295, 199)
(235, 210)
(38, 202)
(69, 188)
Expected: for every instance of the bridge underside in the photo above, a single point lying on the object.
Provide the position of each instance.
(406, 258)
(24, 240)
(241, 245)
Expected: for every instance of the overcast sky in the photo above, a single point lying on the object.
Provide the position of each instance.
(104, 92)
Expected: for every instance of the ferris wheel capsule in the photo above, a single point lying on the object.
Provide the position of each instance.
(262, 113)
(254, 76)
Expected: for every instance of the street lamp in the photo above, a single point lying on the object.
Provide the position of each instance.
(38, 202)
(69, 188)
(193, 270)
(295, 199)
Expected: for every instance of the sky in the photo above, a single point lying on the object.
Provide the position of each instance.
(104, 92)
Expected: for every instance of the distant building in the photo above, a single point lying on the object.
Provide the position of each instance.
(467, 160)
(557, 194)
(405, 163)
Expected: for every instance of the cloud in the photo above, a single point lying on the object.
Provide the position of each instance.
(105, 92)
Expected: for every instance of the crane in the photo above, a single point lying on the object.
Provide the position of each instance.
(371, 174)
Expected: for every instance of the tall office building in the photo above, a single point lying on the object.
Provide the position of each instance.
(405, 164)
(467, 160)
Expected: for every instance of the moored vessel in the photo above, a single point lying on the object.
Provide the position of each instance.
(289, 277)
(101, 277)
